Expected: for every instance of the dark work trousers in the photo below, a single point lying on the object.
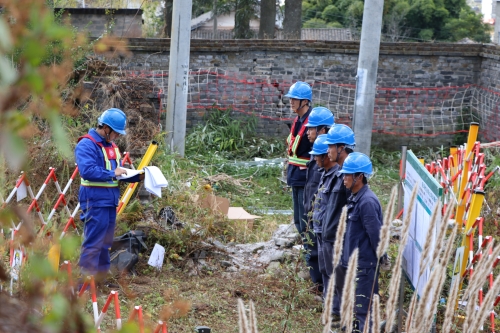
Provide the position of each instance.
(325, 255)
(340, 272)
(300, 216)
(364, 285)
(313, 262)
(97, 239)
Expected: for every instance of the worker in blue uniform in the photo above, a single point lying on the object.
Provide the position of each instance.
(364, 221)
(320, 121)
(98, 160)
(341, 142)
(300, 95)
(327, 168)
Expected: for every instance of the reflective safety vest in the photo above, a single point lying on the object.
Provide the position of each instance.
(110, 153)
(293, 143)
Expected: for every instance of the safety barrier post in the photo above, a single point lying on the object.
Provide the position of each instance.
(137, 312)
(475, 210)
(132, 186)
(71, 221)
(162, 326)
(473, 130)
(113, 295)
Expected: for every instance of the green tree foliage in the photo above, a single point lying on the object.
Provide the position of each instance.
(449, 20)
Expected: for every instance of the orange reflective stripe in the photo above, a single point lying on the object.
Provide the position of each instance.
(298, 161)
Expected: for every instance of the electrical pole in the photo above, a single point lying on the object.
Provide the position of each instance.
(178, 76)
(366, 79)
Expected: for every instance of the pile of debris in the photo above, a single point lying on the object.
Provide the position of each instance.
(131, 94)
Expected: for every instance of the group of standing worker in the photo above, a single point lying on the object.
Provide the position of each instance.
(325, 175)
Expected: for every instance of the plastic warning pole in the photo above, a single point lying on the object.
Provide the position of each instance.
(67, 264)
(117, 312)
(62, 195)
(94, 298)
(473, 130)
(137, 311)
(71, 221)
(19, 181)
(148, 156)
(162, 326)
(104, 310)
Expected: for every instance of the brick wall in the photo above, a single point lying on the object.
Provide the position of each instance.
(282, 62)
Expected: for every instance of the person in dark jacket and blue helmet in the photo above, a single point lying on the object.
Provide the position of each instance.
(98, 160)
(341, 142)
(300, 95)
(320, 121)
(320, 154)
(364, 221)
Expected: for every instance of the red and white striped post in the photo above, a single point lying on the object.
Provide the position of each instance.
(137, 311)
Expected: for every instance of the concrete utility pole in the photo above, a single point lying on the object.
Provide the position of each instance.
(214, 11)
(178, 76)
(366, 79)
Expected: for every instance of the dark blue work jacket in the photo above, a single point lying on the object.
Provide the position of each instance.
(323, 197)
(313, 177)
(337, 201)
(364, 220)
(296, 176)
(92, 167)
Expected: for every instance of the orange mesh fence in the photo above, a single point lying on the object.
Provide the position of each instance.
(410, 111)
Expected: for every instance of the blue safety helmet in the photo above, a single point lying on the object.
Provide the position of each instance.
(357, 162)
(114, 118)
(320, 116)
(340, 133)
(300, 90)
(320, 147)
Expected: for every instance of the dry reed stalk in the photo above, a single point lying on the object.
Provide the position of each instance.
(407, 219)
(349, 293)
(483, 267)
(422, 307)
(485, 309)
(337, 251)
(385, 231)
(366, 329)
(390, 306)
(397, 269)
(441, 280)
(375, 314)
(326, 318)
(442, 231)
(450, 306)
(242, 317)
(429, 239)
(253, 319)
(411, 311)
(339, 237)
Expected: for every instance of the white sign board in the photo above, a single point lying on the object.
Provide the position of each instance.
(428, 195)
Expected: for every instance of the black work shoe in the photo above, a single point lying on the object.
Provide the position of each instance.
(335, 321)
(110, 284)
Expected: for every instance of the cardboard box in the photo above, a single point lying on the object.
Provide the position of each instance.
(215, 203)
(241, 215)
(221, 205)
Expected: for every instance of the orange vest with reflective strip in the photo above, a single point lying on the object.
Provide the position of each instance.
(293, 143)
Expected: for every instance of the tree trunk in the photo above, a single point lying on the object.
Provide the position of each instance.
(243, 14)
(167, 29)
(267, 19)
(292, 24)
